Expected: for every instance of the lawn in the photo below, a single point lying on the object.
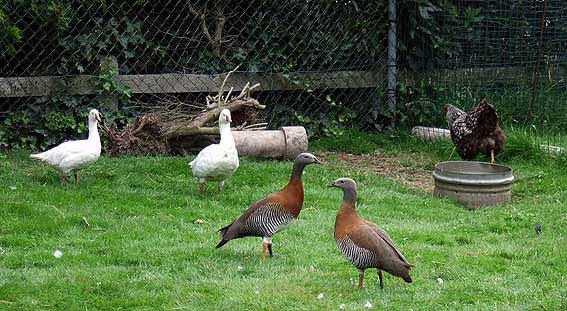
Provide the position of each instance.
(129, 240)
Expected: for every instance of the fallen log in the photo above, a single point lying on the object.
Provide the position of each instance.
(285, 143)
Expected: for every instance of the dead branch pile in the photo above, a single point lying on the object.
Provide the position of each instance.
(173, 127)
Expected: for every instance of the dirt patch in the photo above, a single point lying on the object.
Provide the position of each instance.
(411, 170)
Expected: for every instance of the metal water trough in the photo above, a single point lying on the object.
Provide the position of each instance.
(475, 184)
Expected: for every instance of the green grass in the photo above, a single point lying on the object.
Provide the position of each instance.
(142, 250)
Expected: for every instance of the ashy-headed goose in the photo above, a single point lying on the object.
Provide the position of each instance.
(267, 216)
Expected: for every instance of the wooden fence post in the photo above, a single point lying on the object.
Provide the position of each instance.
(109, 101)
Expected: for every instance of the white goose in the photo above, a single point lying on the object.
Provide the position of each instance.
(76, 154)
(217, 162)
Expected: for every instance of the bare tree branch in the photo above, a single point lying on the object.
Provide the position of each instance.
(220, 99)
(220, 20)
(210, 116)
(202, 16)
(216, 40)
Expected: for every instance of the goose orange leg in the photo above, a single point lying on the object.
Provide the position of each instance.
(360, 278)
(63, 180)
(492, 160)
(264, 247)
(380, 276)
(267, 244)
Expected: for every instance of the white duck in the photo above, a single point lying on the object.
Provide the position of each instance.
(76, 154)
(217, 162)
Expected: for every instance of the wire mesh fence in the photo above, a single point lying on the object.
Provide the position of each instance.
(312, 58)
(510, 52)
(321, 64)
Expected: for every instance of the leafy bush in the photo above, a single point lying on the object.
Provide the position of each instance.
(332, 121)
(48, 121)
(10, 34)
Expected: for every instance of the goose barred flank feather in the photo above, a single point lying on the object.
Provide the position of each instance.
(268, 220)
(358, 256)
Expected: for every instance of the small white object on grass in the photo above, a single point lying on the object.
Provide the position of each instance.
(57, 253)
(257, 292)
(440, 281)
(239, 268)
(13, 187)
(368, 304)
(321, 296)
(342, 306)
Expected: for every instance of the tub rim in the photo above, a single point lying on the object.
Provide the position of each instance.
(504, 177)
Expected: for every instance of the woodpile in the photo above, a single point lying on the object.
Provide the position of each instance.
(173, 127)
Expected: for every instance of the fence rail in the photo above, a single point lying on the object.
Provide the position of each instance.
(171, 83)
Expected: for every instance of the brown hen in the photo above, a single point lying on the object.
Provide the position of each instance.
(475, 132)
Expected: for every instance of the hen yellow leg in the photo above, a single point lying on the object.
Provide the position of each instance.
(451, 155)
(492, 161)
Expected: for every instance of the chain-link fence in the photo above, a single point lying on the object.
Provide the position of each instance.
(321, 64)
(513, 53)
(313, 59)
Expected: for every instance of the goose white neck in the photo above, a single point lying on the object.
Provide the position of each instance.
(226, 135)
(93, 130)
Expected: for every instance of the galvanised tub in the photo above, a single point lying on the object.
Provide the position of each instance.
(474, 184)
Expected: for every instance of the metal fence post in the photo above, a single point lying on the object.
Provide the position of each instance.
(535, 76)
(392, 55)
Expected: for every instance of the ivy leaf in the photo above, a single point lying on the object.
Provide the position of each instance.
(106, 86)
